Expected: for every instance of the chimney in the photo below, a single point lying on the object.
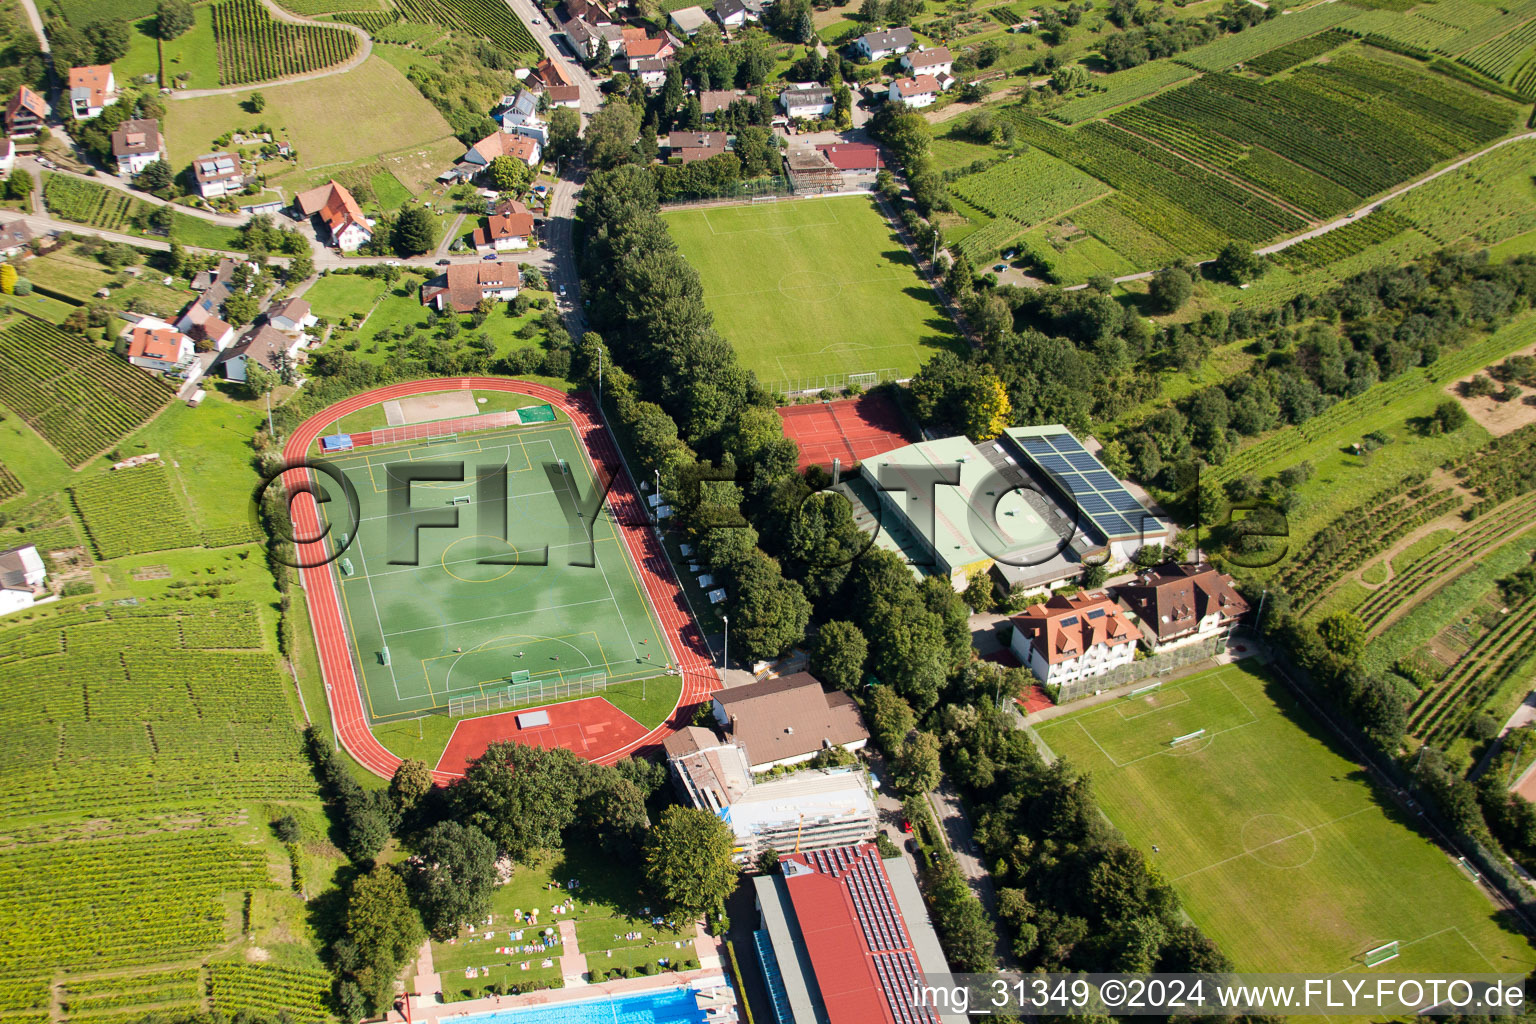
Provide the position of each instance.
(733, 724)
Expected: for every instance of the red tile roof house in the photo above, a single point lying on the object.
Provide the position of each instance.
(25, 113)
(638, 44)
(340, 212)
(509, 227)
(1183, 603)
(136, 145)
(156, 345)
(465, 285)
(935, 61)
(691, 146)
(291, 316)
(1071, 638)
(548, 73)
(91, 90)
(519, 147)
(921, 91)
(564, 96)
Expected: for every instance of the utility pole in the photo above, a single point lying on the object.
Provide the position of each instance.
(725, 657)
(599, 376)
(270, 431)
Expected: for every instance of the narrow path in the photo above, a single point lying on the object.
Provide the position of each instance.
(37, 25)
(112, 181)
(450, 235)
(363, 52)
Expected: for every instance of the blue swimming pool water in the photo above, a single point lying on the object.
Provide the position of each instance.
(671, 1006)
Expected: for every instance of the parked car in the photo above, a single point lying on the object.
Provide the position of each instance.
(443, 263)
(492, 256)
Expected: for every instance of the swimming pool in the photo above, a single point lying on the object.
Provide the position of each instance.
(669, 1006)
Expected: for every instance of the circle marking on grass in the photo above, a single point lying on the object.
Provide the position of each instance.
(466, 579)
(1278, 840)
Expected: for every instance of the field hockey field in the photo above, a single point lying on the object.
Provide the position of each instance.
(462, 611)
(1278, 844)
(811, 288)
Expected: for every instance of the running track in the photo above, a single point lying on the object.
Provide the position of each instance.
(341, 683)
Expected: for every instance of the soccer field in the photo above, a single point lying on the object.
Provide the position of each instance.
(1276, 842)
(477, 613)
(813, 287)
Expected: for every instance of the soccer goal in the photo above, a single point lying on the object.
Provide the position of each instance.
(384, 657)
(1186, 737)
(1380, 955)
(1144, 689)
(1471, 872)
(462, 499)
(863, 380)
(440, 439)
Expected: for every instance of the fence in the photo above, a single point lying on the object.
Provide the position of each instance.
(1152, 666)
(737, 192)
(830, 381)
(534, 691)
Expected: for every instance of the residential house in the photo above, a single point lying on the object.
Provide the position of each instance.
(343, 218)
(218, 174)
(156, 345)
(15, 236)
(548, 73)
(886, 42)
(25, 113)
(1071, 638)
(640, 44)
(266, 347)
(22, 575)
(463, 286)
(7, 157)
(203, 309)
(564, 96)
(509, 227)
(588, 39)
(91, 90)
(731, 14)
(921, 91)
(787, 720)
(136, 144)
(211, 334)
(291, 316)
(808, 101)
(649, 71)
(712, 101)
(691, 146)
(934, 61)
(688, 21)
(520, 147)
(1181, 603)
(521, 117)
(589, 11)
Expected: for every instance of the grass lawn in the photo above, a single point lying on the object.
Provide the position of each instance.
(335, 296)
(1419, 548)
(837, 291)
(388, 191)
(342, 119)
(192, 53)
(608, 904)
(1277, 843)
(951, 151)
(81, 276)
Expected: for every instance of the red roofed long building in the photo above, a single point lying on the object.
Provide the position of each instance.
(340, 212)
(25, 113)
(1071, 638)
(156, 345)
(853, 157)
(465, 285)
(845, 936)
(91, 90)
(509, 227)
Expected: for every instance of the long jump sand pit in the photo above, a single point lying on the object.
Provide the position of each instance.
(425, 408)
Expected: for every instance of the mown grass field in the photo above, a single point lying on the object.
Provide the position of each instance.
(342, 119)
(804, 288)
(192, 53)
(1279, 845)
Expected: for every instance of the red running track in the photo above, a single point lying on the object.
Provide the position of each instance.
(682, 633)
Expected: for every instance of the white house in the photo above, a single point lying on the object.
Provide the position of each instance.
(806, 101)
(1182, 603)
(22, 574)
(886, 42)
(156, 345)
(291, 316)
(136, 145)
(688, 20)
(509, 227)
(1070, 638)
(339, 210)
(14, 237)
(650, 71)
(217, 174)
(517, 146)
(7, 157)
(266, 347)
(523, 110)
(731, 14)
(91, 90)
(465, 285)
(921, 91)
(934, 61)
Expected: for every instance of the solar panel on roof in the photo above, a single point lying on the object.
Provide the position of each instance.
(1124, 501)
(1102, 481)
(1064, 443)
(1073, 482)
(1055, 463)
(1114, 524)
(1094, 505)
(1083, 461)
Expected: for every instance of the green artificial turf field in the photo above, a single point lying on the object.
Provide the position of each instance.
(812, 288)
(458, 626)
(1280, 848)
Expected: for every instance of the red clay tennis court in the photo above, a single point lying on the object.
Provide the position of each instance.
(853, 429)
(585, 727)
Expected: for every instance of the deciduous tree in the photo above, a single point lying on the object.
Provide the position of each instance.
(688, 860)
(452, 877)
